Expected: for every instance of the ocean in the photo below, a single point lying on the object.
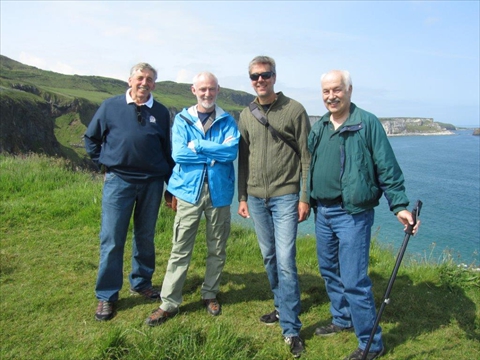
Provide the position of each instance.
(443, 171)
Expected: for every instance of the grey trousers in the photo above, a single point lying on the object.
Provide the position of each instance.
(185, 230)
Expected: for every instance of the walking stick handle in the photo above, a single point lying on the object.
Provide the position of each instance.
(415, 214)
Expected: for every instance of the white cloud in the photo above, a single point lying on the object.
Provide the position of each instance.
(184, 76)
(32, 60)
(431, 20)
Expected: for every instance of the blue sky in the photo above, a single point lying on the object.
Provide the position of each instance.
(406, 58)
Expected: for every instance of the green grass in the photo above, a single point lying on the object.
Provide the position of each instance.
(50, 218)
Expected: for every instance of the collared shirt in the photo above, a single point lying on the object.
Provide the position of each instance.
(326, 173)
(149, 102)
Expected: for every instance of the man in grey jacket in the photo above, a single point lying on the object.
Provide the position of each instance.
(272, 177)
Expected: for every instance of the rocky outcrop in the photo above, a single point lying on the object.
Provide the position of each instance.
(26, 126)
(412, 126)
(409, 126)
(476, 132)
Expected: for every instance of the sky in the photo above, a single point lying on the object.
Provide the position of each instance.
(406, 58)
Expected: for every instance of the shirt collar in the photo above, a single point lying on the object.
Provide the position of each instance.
(149, 102)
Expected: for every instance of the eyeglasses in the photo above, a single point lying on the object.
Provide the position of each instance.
(265, 75)
(139, 114)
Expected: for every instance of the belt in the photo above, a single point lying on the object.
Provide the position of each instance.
(330, 202)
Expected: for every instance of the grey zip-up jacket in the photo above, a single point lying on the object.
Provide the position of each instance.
(267, 167)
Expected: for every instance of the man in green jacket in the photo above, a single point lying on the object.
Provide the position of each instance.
(272, 176)
(352, 165)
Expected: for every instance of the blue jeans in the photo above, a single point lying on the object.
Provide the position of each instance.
(343, 247)
(119, 200)
(276, 222)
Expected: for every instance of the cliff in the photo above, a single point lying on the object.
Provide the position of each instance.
(414, 126)
(405, 126)
(46, 112)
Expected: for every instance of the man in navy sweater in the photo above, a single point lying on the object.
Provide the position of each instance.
(129, 139)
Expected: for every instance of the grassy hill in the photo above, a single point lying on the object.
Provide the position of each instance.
(50, 219)
(97, 88)
(47, 112)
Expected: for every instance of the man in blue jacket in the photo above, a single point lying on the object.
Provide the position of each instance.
(352, 165)
(129, 139)
(204, 145)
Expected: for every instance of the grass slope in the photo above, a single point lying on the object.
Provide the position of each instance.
(50, 218)
(97, 88)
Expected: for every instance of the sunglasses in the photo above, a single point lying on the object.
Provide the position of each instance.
(265, 75)
(139, 114)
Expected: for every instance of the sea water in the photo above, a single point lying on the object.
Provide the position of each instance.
(443, 171)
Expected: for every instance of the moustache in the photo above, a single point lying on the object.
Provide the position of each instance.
(334, 101)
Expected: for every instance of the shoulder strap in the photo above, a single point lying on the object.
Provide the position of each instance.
(263, 120)
(209, 122)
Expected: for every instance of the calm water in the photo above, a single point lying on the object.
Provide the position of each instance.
(444, 173)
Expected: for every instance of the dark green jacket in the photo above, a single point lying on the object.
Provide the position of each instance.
(368, 164)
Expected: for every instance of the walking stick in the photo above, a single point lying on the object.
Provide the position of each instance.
(386, 297)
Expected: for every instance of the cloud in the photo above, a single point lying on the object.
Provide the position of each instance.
(431, 20)
(46, 64)
(184, 76)
(32, 60)
(62, 68)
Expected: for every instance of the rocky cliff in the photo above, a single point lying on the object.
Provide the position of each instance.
(413, 126)
(409, 126)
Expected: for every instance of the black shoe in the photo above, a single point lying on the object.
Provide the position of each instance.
(358, 355)
(148, 293)
(270, 319)
(159, 316)
(296, 345)
(331, 329)
(213, 306)
(104, 310)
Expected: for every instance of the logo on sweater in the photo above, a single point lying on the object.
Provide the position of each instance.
(152, 119)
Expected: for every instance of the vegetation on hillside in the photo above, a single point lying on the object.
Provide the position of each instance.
(35, 101)
(49, 221)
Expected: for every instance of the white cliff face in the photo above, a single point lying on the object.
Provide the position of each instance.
(412, 126)
(407, 126)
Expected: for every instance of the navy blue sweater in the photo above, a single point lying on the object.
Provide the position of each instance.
(135, 149)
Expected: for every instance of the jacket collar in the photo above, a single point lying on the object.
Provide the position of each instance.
(353, 119)
(193, 112)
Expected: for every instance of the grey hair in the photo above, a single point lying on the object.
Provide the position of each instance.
(262, 60)
(143, 66)
(346, 78)
(203, 74)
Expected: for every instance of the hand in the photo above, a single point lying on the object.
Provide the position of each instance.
(170, 200)
(243, 210)
(191, 146)
(303, 211)
(406, 218)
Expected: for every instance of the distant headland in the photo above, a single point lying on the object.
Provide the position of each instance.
(409, 126)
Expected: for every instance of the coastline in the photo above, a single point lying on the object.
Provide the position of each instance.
(441, 133)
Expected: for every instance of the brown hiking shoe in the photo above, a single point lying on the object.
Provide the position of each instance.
(104, 310)
(213, 306)
(159, 316)
(148, 293)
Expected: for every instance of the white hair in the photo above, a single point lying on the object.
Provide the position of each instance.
(346, 78)
(203, 74)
